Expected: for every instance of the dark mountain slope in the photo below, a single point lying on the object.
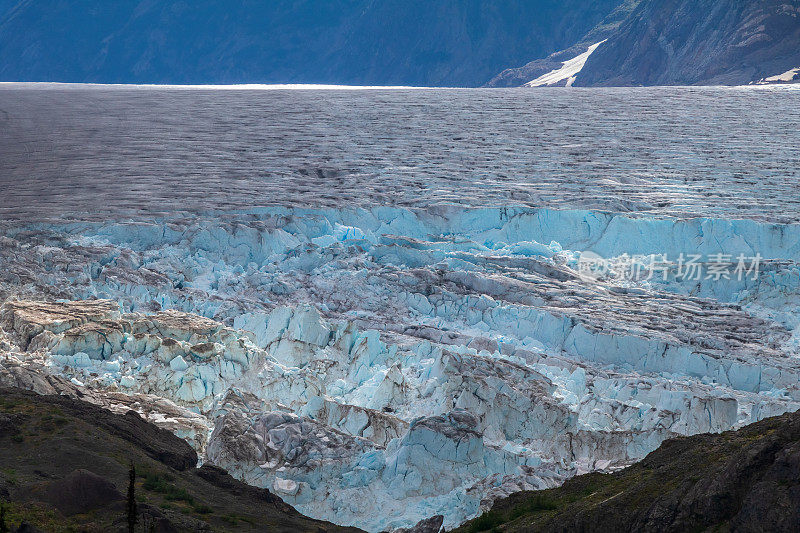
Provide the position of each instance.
(64, 467)
(746, 480)
(681, 42)
(515, 77)
(709, 42)
(409, 42)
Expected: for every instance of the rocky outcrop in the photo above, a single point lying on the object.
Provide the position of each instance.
(80, 492)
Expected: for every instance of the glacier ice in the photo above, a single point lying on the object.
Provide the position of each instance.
(429, 360)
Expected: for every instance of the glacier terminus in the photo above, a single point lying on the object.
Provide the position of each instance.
(379, 355)
(427, 360)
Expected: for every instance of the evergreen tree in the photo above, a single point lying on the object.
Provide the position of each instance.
(131, 500)
(3, 525)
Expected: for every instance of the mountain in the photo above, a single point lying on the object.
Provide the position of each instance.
(699, 42)
(64, 466)
(382, 42)
(401, 42)
(680, 42)
(745, 480)
(515, 77)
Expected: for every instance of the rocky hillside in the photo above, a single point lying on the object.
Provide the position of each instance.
(706, 42)
(64, 466)
(515, 77)
(745, 480)
(364, 42)
(683, 42)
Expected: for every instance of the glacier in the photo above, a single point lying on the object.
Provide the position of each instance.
(419, 361)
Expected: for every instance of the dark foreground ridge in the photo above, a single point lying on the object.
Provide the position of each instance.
(64, 466)
(745, 480)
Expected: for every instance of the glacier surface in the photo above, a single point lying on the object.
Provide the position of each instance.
(375, 367)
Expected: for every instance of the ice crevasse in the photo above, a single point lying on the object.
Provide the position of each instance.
(427, 360)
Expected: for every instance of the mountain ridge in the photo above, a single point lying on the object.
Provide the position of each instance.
(681, 42)
(354, 42)
(389, 42)
(705, 42)
(514, 77)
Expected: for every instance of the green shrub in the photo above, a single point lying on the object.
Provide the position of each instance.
(537, 504)
(202, 508)
(160, 483)
(486, 522)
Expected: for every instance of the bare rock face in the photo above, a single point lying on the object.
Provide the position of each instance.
(515, 77)
(707, 42)
(675, 42)
(79, 492)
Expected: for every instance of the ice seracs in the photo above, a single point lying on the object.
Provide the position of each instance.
(426, 360)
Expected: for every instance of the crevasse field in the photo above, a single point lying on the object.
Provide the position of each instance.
(388, 305)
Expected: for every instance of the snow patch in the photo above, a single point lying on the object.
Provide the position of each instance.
(789, 75)
(569, 70)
